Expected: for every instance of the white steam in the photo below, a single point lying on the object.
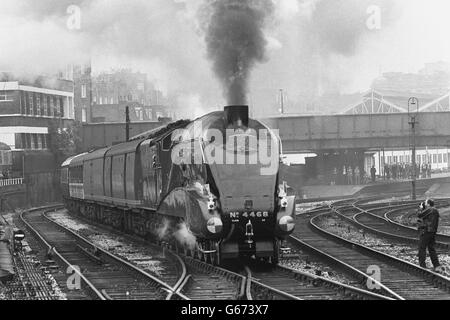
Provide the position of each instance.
(185, 237)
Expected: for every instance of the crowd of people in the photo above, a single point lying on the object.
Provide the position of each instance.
(5, 174)
(402, 171)
(349, 176)
(397, 171)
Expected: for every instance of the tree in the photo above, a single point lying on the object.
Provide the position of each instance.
(65, 142)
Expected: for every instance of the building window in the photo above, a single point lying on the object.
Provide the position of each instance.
(39, 141)
(35, 141)
(100, 101)
(445, 158)
(44, 105)
(149, 114)
(31, 102)
(83, 91)
(4, 96)
(61, 107)
(434, 158)
(95, 99)
(38, 104)
(51, 109)
(28, 140)
(440, 158)
(22, 103)
(83, 114)
(26, 101)
(42, 141)
(424, 158)
(18, 142)
(112, 100)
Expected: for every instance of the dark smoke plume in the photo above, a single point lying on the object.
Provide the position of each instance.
(234, 34)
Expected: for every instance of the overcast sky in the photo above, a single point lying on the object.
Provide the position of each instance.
(310, 42)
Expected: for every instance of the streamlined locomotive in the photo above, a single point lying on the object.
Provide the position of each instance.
(209, 186)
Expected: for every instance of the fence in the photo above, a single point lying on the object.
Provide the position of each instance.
(11, 182)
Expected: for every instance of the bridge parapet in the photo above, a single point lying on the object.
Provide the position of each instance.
(362, 131)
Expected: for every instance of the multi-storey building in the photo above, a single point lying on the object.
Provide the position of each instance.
(27, 107)
(124, 86)
(82, 93)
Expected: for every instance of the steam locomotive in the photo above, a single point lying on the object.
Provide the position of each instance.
(209, 187)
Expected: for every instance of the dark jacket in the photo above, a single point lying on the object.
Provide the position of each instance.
(429, 220)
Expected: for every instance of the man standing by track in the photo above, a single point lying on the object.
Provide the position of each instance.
(428, 226)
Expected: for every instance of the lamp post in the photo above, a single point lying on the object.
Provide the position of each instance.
(413, 110)
(281, 101)
(127, 123)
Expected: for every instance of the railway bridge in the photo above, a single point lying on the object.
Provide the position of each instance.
(360, 131)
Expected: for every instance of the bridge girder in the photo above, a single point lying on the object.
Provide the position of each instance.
(365, 131)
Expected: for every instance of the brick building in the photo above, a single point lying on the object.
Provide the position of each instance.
(124, 87)
(115, 113)
(27, 108)
(83, 93)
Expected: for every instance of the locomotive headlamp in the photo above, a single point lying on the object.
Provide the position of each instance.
(287, 223)
(214, 225)
(212, 204)
(282, 195)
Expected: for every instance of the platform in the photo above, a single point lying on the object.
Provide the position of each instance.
(433, 187)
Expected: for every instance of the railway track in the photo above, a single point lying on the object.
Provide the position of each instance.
(376, 219)
(102, 275)
(207, 282)
(29, 281)
(204, 281)
(379, 221)
(399, 279)
(303, 286)
(199, 281)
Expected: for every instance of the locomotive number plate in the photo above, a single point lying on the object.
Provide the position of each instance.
(236, 216)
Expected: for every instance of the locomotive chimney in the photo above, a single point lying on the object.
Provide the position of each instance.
(236, 116)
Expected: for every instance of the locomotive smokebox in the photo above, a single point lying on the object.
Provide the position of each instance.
(236, 116)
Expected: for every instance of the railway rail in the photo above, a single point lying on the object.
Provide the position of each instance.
(102, 275)
(204, 281)
(399, 279)
(199, 280)
(303, 286)
(377, 220)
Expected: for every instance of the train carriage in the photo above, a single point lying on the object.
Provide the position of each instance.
(162, 183)
(93, 175)
(124, 175)
(76, 187)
